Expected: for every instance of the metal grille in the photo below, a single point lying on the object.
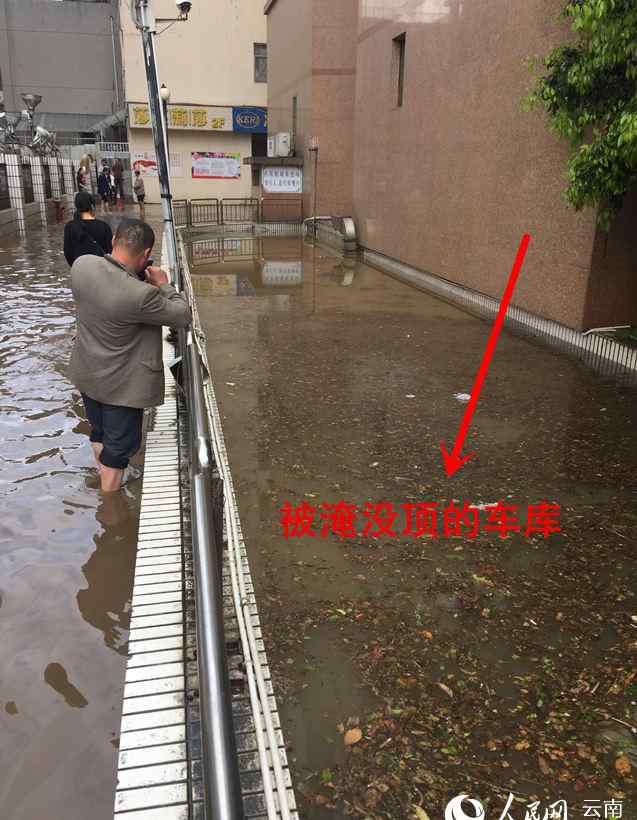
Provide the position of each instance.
(48, 192)
(5, 200)
(239, 210)
(113, 148)
(27, 184)
(62, 180)
(204, 212)
(180, 212)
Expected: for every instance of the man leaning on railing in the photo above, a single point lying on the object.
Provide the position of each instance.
(122, 302)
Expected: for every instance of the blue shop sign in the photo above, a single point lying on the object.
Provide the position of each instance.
(250, 120)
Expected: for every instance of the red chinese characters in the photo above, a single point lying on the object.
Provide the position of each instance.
(424, 519)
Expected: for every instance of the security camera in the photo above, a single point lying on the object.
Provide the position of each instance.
(184, 7)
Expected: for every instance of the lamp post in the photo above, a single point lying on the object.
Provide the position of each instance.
(222, 793)
(144, 19)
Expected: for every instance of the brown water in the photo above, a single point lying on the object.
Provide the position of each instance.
(338, 383)
(66, 559)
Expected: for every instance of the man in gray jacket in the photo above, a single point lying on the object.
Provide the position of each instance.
(116, 362)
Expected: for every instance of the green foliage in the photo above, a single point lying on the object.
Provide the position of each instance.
(589, 89)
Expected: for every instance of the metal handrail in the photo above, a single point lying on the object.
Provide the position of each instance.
(222, 786)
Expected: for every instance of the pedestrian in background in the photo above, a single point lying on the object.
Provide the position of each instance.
(84, 234)
(117, 170)
(140, 192)
(116, 362)
(104, 188)
(83, 179)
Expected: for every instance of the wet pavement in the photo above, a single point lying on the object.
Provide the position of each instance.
(483, 665)
(66, 559)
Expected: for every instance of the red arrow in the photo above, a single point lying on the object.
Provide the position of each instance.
(453, 461)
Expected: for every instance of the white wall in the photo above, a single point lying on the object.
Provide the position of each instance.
(184, 143)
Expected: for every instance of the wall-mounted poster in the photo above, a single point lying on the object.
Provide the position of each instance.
(215, 165)
(147, 164)
(285, 180)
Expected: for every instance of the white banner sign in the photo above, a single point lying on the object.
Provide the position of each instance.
(275, 180)
(282, 273)
(216, 165)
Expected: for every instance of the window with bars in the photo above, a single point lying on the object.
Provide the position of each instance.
(260, 63)
(48, 192)
(27, 184)
(5, 199)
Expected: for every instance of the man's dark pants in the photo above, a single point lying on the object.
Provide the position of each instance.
(119, 429)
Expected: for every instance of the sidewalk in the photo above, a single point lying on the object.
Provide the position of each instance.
(478, 665)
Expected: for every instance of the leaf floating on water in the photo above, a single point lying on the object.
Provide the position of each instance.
(622, 766)
(420, 813)
(352, 736)
(326, 776)
(544, 766)
(445, 689)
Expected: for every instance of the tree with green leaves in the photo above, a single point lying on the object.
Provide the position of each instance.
(589, 89)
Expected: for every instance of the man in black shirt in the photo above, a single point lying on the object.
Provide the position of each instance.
(85, 234)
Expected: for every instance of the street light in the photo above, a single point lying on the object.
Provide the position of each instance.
(31, 101)
(145, 21)
(222, 794)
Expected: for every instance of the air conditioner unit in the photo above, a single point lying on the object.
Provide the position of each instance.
(271, 147)
(282, 144)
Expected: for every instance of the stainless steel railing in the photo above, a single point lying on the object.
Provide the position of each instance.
(222, 787)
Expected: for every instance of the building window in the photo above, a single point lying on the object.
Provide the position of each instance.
(399, 67)
(260, 63)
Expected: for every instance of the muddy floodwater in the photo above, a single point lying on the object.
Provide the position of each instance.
(484, 665)
(66, 559)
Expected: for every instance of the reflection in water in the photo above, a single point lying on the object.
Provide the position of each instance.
(53, 523)
(55, 675)
(105, 603)
(245, 265)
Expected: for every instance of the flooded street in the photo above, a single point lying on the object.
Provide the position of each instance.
(486, 665)
(66, 559)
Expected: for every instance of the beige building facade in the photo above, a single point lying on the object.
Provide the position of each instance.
(314, 48)
(213, 66)
(417, 104)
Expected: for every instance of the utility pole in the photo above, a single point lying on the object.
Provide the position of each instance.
(145, 22)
